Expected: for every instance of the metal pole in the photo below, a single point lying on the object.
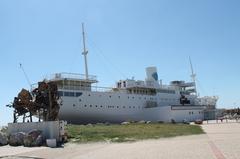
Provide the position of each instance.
(85, 52)
(193, 75)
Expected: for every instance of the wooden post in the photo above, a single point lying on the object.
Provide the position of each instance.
(14, 117)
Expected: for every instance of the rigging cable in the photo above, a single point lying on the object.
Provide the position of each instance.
(102, 54)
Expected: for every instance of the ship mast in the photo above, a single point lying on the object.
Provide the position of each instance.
(85, 52)
(193, 75)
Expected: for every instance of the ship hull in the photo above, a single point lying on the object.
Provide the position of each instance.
(115, 107)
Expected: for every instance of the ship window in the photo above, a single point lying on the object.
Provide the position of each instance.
(117, 106)
(132, 97)
(60, 93)
(74, 105)
(96, 106)
(66, 93)
(69, 94)
(101, 106)
(118, 96)
(189, 113)
(133, 106)
(123, 106)
(78, 94)
(128, 97)
(89, 94)
(85, 105)
(110, 96)
(129, 106)
(90, 105)
(80, 100)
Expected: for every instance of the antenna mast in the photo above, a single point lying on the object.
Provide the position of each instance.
(85, 52)
(26, 76)
(193, 75)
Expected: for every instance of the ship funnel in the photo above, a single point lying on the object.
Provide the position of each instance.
(152, 74)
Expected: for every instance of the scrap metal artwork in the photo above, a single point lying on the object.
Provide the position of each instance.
(41, 102)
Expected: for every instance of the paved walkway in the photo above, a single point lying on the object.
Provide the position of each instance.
(221, 141)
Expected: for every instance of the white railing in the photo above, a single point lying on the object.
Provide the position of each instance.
(65, 75)
(92, 88)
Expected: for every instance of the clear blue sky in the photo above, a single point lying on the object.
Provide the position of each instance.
(123, 37)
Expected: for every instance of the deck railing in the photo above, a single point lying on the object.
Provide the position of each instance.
(92, 88)
(65, 75)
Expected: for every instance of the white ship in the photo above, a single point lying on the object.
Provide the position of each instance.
(130, 100)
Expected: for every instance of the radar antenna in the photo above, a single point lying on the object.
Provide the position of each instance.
(85, 52)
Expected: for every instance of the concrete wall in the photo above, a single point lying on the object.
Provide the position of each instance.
(50, 129)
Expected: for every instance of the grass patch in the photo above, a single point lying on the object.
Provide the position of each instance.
(131, 132)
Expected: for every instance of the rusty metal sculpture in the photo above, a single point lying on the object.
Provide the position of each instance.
(42, 102)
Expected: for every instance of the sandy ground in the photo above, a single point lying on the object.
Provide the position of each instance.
(221, 141)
